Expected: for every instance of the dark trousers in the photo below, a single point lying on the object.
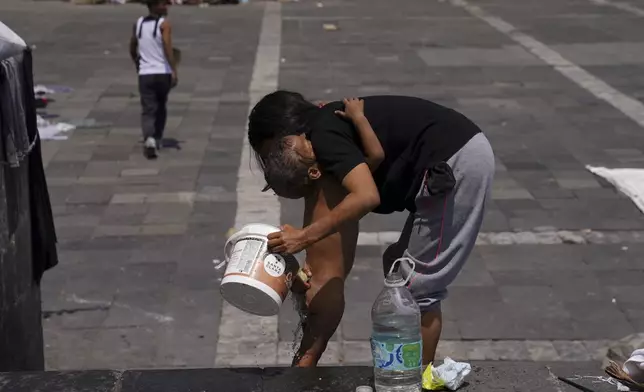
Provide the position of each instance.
(154, 90)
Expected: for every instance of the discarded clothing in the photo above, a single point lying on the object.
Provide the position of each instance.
(43, 230)
(52, 131)
(15, 138)
(634, 366)
(628, 181)
(19, 143)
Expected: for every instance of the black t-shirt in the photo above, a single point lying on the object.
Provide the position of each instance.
(415, 134)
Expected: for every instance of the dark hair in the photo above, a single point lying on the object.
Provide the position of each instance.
(154, 3)
(286, 172)
(278, 114)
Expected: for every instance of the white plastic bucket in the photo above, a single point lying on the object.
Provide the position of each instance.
(256, 281)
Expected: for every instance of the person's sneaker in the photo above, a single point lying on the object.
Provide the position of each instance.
(159, 143)
(150, 148)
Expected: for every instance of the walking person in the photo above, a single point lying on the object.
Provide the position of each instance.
(152, 53)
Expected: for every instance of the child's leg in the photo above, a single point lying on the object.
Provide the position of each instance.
(324, 314)
(330, 261)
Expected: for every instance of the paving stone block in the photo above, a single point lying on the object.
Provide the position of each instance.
(154, 256)
(509, 55)
(612, 257)
(173, 197)
(97, 180)
(532, 257)
(572, 350)
(455, 349)
(77, 220)
(128, 198)
(116, 231)
(356, 322)
(356, 353)
(132, 347)
(144, 307)
(482, 351)
(569, 183)
(74, 156)
(542, 350)
(285, 353)
(238, 354)
(504, 194)
(474, 273)
(626, 294)
(509, 350)
(90, 195)
(65, 169)
(139, 172)
(621, 277)
(187, 348)
(556, 193)
(101, 169)
(511, 206)
(75, 318)
(599, 319)
(168, 213)
(450, 329)
(495, 221)
(61, 342)
(164, 229)
(58, 194)
(197, 273)
(597, 348)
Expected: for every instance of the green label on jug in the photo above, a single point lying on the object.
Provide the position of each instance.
(392, 356)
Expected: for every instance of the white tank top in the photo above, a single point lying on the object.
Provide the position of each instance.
(152, 58)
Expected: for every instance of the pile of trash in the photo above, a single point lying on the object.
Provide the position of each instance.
(624, 362)
(49, 130)
(450, 375)
(52, 131)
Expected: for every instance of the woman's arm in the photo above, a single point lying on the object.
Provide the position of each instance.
(354, 111)
(362, 197)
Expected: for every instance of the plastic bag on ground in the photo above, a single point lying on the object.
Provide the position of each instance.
(634, 366)
(450, 375)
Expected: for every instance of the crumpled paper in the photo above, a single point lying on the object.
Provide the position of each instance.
(450, 375)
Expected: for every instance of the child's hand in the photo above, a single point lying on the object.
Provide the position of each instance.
(301, 281)
(353, 109)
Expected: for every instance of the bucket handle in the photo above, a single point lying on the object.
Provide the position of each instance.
(230, 243)
(399, 261)
(228, 247)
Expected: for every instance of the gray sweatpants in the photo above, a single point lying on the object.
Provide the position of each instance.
(444, 228)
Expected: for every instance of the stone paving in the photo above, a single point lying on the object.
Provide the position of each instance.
(558, 273)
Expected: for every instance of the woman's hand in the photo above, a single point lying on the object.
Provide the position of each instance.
(353, 109)
(287, 241)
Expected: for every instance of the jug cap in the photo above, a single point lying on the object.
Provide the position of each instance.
(395, 279)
